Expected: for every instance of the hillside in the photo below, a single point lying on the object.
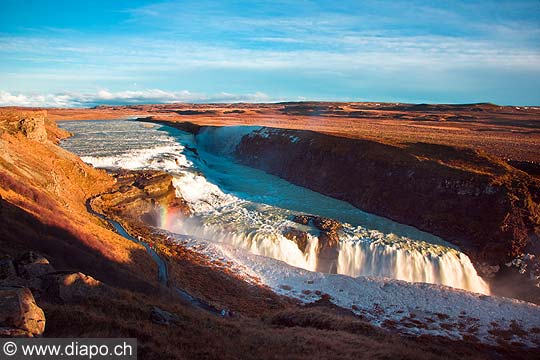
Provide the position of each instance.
(43, 193)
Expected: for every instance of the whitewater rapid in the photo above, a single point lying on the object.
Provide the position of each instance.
(249, 209)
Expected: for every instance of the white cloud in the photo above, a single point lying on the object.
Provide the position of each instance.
(123, 57)
(105, 97)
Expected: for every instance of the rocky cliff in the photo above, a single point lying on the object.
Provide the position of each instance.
(140, 197)
(485, 206)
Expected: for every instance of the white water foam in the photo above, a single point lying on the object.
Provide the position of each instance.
(394, 257)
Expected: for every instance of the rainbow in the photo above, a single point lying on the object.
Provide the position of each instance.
(168, 217)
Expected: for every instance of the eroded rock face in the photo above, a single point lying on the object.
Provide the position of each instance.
(31, 124)
(19, 313)
(298, 236)
(140, 195)
(33, 127)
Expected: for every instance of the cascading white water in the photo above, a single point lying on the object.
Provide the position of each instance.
(250, 209)
(244, 224)
(439, 265)
(266, 242)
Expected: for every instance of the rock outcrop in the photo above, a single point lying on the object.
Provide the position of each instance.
(69, 287)
(31, 124)
(33, 265)
(328, 240)
(142, 195)
(320, 222)
(33, 127)
(19, 313)
(33, 271)
(26, 270)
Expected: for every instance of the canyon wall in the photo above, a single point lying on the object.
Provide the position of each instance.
(475, 201)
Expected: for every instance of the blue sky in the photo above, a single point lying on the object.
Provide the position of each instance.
(83, 53)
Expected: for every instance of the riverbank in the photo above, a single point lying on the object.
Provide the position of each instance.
(507, 132)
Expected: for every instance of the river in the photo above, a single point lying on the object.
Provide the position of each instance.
(250, 209)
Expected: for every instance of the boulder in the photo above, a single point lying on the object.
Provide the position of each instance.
(33, 265)
(162, 317)
(19, 312)
(298, 236)
(33, 127)
(66, 287)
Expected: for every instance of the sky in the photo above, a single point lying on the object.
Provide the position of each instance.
(85, 53)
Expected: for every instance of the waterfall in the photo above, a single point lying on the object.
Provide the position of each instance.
(262, 241)
(375, 258)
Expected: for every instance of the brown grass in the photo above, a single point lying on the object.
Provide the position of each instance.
(323, 319)
(292, 333)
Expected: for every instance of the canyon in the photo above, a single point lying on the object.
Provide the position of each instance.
(484, 206)
(467, 173)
